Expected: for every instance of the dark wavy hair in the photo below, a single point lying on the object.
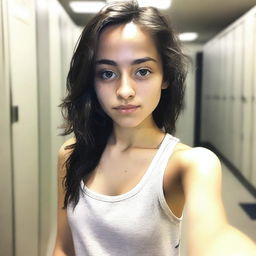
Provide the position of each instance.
(81, 109)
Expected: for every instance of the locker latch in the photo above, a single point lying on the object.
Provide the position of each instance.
(14, 114)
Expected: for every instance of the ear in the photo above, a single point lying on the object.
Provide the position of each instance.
(164, 85)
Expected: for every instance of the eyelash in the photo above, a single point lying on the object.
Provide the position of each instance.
(101, 74)
(145, 69)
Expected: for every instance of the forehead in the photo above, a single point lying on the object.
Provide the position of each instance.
(126, 41)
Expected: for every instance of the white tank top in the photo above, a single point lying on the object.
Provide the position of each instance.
(137, 223)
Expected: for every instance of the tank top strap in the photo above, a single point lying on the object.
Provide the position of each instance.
(166, 151)
(157, 177)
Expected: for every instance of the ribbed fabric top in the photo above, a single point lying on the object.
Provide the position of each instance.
(138, 222)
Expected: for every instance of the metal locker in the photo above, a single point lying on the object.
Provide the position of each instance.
(231, 75)
(205, 97)
(246, 96)
(221, 95)
(253, 152)
(6, 179)
(237, 94)
(23, 72)
(228, 93)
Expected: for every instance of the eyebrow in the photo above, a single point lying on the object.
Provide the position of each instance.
(134, 62)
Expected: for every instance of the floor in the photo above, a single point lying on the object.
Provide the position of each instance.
(233, 193)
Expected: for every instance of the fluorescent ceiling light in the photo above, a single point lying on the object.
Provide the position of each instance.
(160, 4)
(86, 6)
(188, 36)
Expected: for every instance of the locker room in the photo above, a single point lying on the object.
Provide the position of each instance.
(37, 40)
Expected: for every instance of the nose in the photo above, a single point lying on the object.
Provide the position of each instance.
(126, 89)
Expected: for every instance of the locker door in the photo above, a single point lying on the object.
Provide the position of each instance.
(211, 90)
(253, 154)
(220, 98)
(247, 96)
(237, 92)
(23, 65)
(56, 90)
(6, 186)
(44, 115)
(228, 93)
(205, 96)
(215, 85)
(204, 78)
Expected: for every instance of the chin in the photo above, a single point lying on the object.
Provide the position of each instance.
(128, 123)
(131, 123)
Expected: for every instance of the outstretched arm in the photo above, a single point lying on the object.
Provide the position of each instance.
(209, 233)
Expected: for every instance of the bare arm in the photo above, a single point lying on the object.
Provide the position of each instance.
(64, 243)
(209, 233)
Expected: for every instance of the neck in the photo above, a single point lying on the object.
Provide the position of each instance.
(124, 138)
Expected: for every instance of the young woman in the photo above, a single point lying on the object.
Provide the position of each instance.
(123, 178)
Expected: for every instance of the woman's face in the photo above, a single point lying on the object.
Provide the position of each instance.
(129, 75)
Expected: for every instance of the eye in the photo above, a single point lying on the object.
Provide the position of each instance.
(143, 72)
(107, 75)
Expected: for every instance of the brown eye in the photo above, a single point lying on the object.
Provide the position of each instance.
(143, 72)
(107, 75)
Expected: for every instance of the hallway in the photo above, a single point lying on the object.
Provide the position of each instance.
(37, 40)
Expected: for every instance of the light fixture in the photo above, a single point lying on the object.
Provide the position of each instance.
(188, 36)
(160, 4)
(86, 6)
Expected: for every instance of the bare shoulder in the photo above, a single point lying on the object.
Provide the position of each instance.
(65, 148)
(200, 170)
(64, 153)
(195, 158)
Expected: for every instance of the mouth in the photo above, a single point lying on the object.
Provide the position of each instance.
(127, 108)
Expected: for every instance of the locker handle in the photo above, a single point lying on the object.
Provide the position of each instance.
(243, 99)
(14, 114)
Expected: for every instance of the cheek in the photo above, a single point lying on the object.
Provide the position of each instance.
(102, 95)
(99, 91)
(152, 91)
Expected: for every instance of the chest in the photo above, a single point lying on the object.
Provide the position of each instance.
(117, 174)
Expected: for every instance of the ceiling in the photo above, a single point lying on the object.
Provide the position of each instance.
(207, 17)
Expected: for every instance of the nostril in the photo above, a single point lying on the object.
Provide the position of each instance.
(125, 92)
(125, 96)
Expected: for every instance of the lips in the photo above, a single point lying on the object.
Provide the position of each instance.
(126, 109)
